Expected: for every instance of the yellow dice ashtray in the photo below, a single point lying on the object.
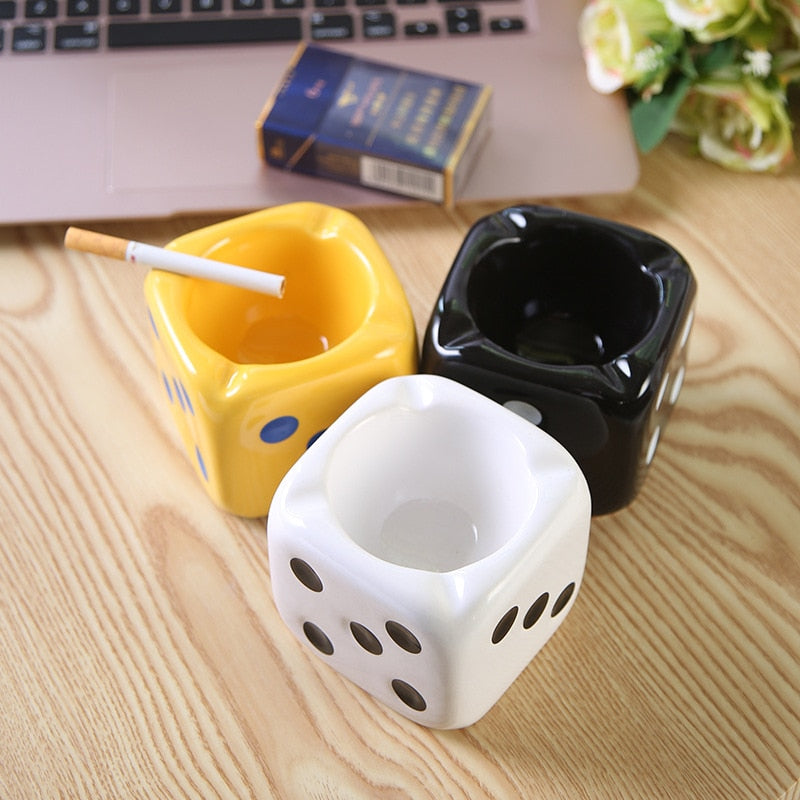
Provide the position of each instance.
(253, 380)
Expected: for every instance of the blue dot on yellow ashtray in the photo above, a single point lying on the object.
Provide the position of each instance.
(200, 462)
(186, 398)
(178, 393)
(167, 387)
(153, 323)
(279, 429)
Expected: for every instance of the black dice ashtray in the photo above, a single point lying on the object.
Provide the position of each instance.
(579, 324)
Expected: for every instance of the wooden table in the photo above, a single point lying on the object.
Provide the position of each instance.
(141, 654)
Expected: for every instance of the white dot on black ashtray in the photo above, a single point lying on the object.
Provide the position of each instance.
(318, 638)
(409, 695)
(562, 599)
(504, 626)
(304, 572)
(366, 638)
(403, 637)
(535, 611)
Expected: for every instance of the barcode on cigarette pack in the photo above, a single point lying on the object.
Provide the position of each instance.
(393, 177)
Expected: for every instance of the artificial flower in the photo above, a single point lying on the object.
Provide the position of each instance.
(627, 42)
(713, 20)
(791, 10)
(716, 70)
(740, 124)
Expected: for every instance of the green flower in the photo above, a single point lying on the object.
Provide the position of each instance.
(627, 43)
(714, 20)
(791, 11)
(740, 124)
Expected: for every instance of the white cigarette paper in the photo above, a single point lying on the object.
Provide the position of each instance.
(174, 261)
(197, 267)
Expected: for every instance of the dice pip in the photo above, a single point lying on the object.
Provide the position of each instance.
(428, 545)
(578, 323)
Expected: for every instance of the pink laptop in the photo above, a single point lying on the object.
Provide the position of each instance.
(147, 108)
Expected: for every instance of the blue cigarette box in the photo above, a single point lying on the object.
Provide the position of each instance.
(374, 124)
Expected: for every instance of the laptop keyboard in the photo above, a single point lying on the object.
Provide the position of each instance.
(38, 26)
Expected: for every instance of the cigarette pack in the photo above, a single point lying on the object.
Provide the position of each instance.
(374, 124)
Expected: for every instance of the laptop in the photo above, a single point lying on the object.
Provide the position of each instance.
(147, 108)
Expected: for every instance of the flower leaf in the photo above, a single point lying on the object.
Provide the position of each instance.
(720, 55)
(651, 119)
(686, 63)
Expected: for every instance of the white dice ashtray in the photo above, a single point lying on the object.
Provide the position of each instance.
(427, 545)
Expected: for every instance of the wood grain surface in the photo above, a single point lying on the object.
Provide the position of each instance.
(141, 655)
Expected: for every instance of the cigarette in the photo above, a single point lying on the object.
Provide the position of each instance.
(173, 261)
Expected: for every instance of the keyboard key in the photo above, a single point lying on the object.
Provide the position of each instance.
(463, 20)
(206, 5)
(28, 39)
(331, 26)
(2, 39)
(8, 9)
(248, 5)
(40, 9)
(78, 37)
(371, 2)
(83, 8)
(165, 6)
(378, 25)
(203, 31)
(421, 28)
(506, 24)
(123, 7)
(283, 5)
(411, 2)
(329, 3)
